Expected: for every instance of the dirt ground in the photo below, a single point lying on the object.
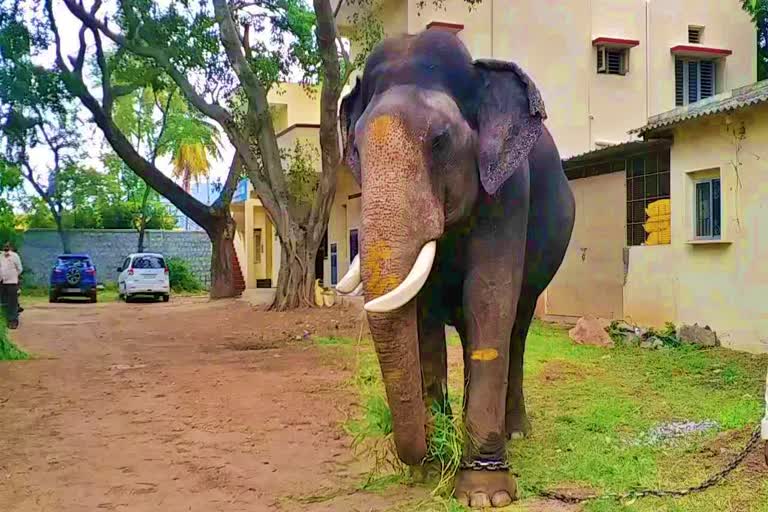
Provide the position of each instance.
(185, 406)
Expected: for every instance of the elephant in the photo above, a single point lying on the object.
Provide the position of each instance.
(466, 217)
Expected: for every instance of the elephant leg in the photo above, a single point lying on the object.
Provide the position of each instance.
(517, 423)
(434, 360)
(491, 291)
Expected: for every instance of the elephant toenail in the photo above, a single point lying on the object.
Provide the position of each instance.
(463, 499)
(501, 499)
(479, 500)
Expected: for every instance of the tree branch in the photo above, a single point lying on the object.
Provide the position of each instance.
(211, 110)
(258, 106)
(74, 83)
(329, 138)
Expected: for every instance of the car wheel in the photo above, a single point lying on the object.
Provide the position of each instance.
(166, 298)
(93, 298)
(52, 297)
(128, 298)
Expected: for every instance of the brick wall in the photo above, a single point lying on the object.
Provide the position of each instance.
(109, 247)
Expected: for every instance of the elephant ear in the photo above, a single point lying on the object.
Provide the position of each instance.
(350, 111)
(509, 119)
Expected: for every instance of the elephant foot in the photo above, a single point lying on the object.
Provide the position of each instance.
(481, 489)
(518, 425)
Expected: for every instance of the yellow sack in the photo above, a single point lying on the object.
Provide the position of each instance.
(658, 226)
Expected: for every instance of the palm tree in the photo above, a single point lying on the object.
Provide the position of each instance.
(190, 140)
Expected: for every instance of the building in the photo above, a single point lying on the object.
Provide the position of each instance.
(604, 68)
(689, 210)
(712, 271)
(205, 192)
(296, 117)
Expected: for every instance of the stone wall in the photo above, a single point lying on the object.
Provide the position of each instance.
(109, 247)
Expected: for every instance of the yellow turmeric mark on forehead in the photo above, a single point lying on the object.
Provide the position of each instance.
(382, 127)
(485, 354)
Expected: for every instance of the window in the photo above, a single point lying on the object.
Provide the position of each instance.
(647, 183)
(695, 34)
(334, 265)
(707, 209)
(612, 61)
(257, 248)
(148, 262)
(353, 244)
(694, 80)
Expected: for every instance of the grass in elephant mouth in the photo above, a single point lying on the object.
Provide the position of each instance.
(591, 410)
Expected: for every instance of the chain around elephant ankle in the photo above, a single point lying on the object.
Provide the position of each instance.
(485, 465)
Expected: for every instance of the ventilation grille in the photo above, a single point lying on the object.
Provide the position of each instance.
(695, 34)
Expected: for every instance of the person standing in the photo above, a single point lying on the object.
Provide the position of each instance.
(10, 269)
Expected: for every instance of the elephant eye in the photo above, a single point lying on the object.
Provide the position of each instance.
(440, 141)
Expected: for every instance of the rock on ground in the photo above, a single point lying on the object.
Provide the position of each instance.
(591, 331)
(697, 335)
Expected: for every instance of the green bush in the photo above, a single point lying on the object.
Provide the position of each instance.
(181, 277)
(9, 351)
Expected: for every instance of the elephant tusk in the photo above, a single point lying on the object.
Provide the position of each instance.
(351, 279)
(410, 286)
(358, 290)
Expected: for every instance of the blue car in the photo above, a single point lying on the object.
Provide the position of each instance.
(73, 275)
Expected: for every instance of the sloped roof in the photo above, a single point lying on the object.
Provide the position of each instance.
(729, 101)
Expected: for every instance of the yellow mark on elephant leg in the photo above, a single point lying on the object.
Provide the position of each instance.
(485, 354)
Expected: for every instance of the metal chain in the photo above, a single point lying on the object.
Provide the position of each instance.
(663, 493)
(485, 465)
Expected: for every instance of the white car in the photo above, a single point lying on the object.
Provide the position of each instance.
(144, 273)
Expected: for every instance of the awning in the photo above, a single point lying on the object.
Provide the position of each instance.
(685, 50)
(615, 42)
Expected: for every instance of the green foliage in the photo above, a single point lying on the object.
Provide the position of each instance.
(9, 351)
(181, 277)
(758, 10)
(302, 171)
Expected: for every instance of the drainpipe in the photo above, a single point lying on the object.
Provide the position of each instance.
(647, 60)
(590, 70)
(764, 424)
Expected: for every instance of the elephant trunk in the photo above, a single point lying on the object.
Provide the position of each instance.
(402, 216)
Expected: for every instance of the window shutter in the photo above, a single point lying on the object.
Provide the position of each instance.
(707, 78)
(615, 62)
(693, 81)
(679, 83)
(600, 58)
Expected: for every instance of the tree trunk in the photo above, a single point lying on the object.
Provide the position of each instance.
(143, 218)
(296, 280)
(142, 230)
(222, 255)
(66, 249)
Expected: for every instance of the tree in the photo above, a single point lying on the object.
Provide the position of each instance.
(758, 9)
(207, 52)
(118, 74)
(190, 140)
(10, 181)
(34, 114)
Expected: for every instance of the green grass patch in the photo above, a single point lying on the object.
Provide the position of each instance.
(8, 350)
(591, 408)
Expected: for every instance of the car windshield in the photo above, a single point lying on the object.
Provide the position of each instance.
(73, 262)
(148, 262)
